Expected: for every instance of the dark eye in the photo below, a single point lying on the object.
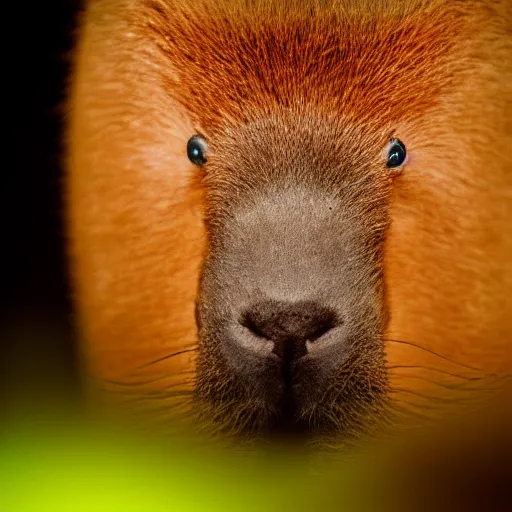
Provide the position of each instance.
(396, 153)
(196, 149)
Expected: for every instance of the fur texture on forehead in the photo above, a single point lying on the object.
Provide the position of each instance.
(230, 61)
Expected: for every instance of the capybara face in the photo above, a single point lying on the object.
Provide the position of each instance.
(290, 305)
(282, 217)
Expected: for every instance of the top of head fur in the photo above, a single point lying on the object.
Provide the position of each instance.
(229, 62)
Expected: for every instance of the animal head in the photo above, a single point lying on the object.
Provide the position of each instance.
(278, 210)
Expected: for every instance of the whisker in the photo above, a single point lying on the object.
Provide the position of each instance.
(438, 383)
(444, 384)
(395, 401)
(168, 357)
(406, 410)
(465, 399)
(141, 383)
(438, 370)
(163, 395)
(410, 343)
(432, 398)
(134, 384)
(176, 407)
(161, 407)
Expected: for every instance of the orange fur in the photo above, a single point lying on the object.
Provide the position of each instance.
(150, 74)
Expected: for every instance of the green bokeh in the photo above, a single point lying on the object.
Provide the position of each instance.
(65, 468)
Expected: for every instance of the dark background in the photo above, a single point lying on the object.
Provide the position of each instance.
(37, 322)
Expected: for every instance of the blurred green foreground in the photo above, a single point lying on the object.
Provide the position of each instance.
(62, 466)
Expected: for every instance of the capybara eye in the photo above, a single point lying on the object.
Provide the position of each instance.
(396, 153)
(196, 149)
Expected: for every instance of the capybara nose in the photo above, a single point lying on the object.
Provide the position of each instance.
(289, 325)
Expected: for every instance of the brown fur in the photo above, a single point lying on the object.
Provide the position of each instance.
(150, 74)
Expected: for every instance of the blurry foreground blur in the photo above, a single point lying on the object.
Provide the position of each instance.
(57, 461)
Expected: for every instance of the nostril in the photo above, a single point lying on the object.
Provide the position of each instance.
(323, 328)
(249, 323)
(297, 322)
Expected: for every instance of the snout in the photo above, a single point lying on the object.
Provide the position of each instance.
(281, 309)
